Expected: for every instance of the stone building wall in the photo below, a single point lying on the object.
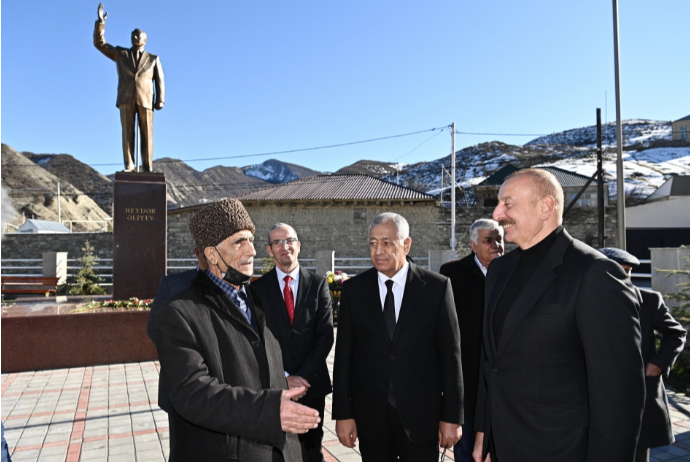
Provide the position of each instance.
(344, 228)
(29, 245)
(336, 227)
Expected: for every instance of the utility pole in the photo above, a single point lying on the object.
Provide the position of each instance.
(620, 179)
(58, 198)
(453, 241)
(600, 182)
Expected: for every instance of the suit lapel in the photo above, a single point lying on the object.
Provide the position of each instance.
(535, 288)
(142, 61)
(275, 296)
(413, 290)
(371, 286)
(305, 280)
(495, 296)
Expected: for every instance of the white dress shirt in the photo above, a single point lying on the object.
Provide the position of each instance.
(294, 283)
(479, 264)
(399, 281)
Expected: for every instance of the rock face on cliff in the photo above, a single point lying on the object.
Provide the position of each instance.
(33, 191)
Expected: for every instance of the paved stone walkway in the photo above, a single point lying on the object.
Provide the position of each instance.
(110, 413)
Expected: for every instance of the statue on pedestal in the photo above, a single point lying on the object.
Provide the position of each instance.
(138, 72)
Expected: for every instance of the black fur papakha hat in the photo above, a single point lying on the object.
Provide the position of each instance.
(215, 223)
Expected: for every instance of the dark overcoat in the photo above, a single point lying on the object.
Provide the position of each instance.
(566, 382)
(168, 287)
(224, 378)
(468, 293)
(657, 429)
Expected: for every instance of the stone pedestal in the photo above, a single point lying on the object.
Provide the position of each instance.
(140, 234)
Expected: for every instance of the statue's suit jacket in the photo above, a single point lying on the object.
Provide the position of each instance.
(566, 381)
(135, 83)
(422, 362)
(306, 342)
(657, 429)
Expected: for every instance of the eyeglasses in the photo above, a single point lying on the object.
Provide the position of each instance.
(280, 242)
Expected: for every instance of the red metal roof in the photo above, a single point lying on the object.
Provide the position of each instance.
(336, 187)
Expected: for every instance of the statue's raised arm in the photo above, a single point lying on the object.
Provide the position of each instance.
(101, 15)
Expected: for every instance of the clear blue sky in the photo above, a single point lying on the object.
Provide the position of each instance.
(252, 77)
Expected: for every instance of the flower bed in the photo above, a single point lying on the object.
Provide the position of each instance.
(133, 304)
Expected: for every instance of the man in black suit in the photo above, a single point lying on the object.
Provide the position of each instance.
(657, 429)
(299, 313)
(167, 288)
(467, 278)
(561, 372)
(397, 378)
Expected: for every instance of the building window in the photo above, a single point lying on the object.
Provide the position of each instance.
(684, 133)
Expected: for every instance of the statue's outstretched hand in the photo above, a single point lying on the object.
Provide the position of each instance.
(101, 15)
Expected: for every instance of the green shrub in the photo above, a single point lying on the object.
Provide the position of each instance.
(86, 281)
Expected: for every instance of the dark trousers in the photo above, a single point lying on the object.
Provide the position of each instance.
(392, 444)
(171, 433)
(311, 441)
(463, 448)
(642, 455)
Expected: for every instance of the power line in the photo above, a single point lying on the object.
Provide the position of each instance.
(295, 150)
(500, 134)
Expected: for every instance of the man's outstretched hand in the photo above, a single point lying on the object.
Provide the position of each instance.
(101, 15)
(295, 417)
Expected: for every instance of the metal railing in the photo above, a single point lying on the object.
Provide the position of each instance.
(184, 264)
(364, 263)
(642, 275)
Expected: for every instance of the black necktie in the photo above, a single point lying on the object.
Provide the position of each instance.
(389, 310)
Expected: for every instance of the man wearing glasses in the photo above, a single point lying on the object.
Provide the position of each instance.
(300, 316)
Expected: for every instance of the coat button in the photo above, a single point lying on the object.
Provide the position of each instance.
(495, 369)
(255, 343)
(391, 357)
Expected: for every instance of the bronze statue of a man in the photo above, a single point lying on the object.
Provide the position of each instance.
(137, 72)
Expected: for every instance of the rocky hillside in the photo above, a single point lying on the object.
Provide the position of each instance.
(33, 191)
(277, 172)
(81, 176)
(370, 167)
(187, 186)
(650, 158)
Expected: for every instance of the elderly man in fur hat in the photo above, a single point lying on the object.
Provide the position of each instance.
(220, 364)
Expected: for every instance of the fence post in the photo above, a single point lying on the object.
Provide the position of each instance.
(55, 265)
(325, 261)
(439, 257)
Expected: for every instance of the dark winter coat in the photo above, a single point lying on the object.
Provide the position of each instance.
(224, 378)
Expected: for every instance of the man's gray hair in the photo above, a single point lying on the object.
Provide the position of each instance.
(484, 223)
(400, 223)
(280, 225)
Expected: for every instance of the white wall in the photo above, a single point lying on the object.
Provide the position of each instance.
(671, 213)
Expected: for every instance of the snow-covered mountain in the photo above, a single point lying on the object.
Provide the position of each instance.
(276, 172)
(635, 131)
(650, 157)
